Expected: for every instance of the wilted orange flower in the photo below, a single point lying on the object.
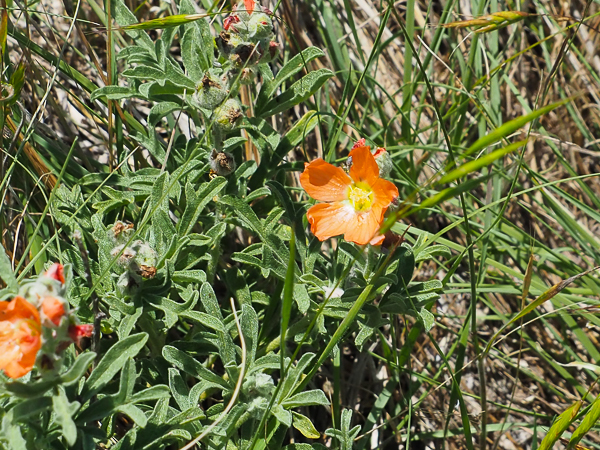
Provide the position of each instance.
(355, 202)
(20, 338)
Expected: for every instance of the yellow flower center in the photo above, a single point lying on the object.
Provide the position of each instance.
(360, 196)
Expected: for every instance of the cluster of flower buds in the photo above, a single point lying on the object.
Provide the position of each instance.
(37, 325)
(138, 260)
(248, 38)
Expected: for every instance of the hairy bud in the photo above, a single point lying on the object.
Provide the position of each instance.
(227, 115)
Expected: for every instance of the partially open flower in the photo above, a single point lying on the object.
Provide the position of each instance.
(20, 340)
(354, 203)
(53, 310)
(78, 332)
(56, 272)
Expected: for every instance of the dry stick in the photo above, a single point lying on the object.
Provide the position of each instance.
(238, 385)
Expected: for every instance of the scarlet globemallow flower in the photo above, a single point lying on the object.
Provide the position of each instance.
(20, 337)
(354, 203)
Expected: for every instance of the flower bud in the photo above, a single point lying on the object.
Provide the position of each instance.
(229, 22)
(52, 311)
(211, 91)
(227, 115)
(221, 163)
(121, 231)
(126, 254)
(384, 162)
(56, 272)
(260, 26)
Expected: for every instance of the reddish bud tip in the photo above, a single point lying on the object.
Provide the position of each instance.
(360, 143)
(380, 151)
(77, 332)
(56, 272)
(229, 21)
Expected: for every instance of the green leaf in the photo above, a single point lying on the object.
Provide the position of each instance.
(64, 410)
(244, 213)
(114, 359)
(202, 318)
(292, 67)
(511, 126)
(30, 407)
(203, 43)
(406, 264)
(300, 91)
(307, 398)
(165, 22)
(134, 413)
(249, 324)
(7, 274)
(196, 201)
(427, 318)
(78, 369)
(123, 16)
(305, 426)
(160, 110)
(31, 390)
(559, 426)
(590, 419)
(482, 161)
(189, 365)
(433, 252)
(288, 294)
(282, 415)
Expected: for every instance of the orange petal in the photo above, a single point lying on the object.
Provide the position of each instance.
(249, 4)
(384, 192)
(364, 168)
(54, 309)
(18, 308)
(20, 348)
(330, 219)
(377, 240)
(325, 182)
(9, 352)
(364, 227)
(16, 370)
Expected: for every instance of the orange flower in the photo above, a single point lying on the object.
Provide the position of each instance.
(355, 204)
(20, 340)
